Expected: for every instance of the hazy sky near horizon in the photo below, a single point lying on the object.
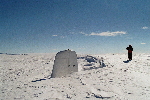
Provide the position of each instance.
(85, 26)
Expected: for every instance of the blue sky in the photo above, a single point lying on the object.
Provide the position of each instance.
(85, 26)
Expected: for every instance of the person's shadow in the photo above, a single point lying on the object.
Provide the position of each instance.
(126, 61)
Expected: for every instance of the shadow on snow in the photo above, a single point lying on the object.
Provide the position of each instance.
(127, 61)
(38, 80)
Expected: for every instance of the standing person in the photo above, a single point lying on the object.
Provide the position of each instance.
(130, 49)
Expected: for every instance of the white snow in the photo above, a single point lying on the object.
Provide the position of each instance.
(109, 76)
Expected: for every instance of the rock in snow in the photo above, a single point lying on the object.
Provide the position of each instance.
(65, 63)
(28, 77)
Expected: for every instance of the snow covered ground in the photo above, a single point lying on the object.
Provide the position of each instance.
(109, 76)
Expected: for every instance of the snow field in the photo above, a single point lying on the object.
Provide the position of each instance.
(27, 77)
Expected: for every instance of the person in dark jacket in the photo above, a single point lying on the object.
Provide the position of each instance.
(130, 49)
